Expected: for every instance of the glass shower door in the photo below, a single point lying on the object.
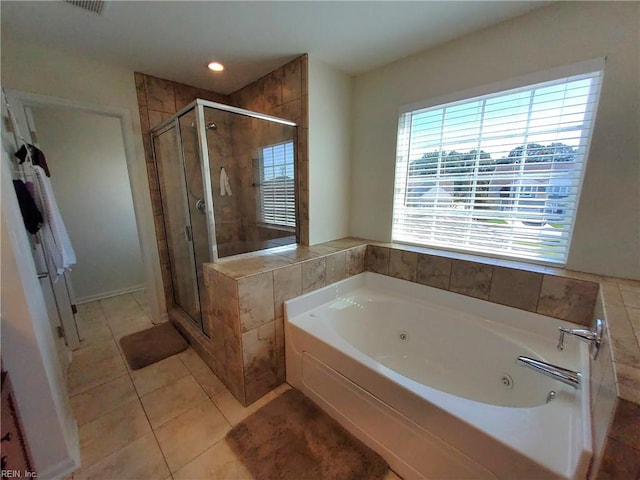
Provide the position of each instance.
(195, 198)
(174, 193)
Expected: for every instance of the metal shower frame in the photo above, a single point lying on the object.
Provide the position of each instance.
(173, 121)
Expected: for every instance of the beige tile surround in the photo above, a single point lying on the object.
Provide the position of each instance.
(247, 292)
(244, 309)
(568, 295)
(282, 93)
(554, 293)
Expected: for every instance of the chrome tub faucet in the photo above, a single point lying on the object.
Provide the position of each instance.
(568, 377)
(592, 337)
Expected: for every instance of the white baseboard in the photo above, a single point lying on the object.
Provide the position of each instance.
(112, 293)
(163, 318)
(61, 470)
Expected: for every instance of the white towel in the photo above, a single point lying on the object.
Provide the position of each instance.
(225, 186)
(56, 238)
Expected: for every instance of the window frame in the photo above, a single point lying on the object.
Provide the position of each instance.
(260, 220)
(468, 95)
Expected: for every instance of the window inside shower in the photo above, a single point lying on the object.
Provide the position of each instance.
(276, 186)
(227, 186)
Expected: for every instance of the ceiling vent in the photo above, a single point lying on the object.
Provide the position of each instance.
(94, 6)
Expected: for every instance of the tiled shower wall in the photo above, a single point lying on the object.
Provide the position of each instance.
(281, 93)
(158, 99)
(248, 136)
(226, 209)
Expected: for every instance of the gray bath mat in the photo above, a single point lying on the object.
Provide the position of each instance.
(290, 438)
(152, 345)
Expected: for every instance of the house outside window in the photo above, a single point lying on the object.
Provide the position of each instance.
(499, 173)
(276, 186)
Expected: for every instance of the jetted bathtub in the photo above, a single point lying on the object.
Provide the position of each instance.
(429, 379)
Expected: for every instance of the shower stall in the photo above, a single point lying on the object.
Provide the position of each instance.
(227, 180)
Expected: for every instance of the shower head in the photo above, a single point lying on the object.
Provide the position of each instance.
(211, 126)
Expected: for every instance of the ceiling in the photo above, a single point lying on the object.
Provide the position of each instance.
(176, 40)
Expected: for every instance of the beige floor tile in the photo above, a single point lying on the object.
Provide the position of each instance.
(95, 334)
(630, 296)
(83, 376)
(125, 314)
(217, 463)
(158, 375)
(119, 303)
(90, 320)
(90, 310)
(141, 459)
(202, 373)
(127, 326)
(168, 402)
(233, 410)
(111, 432)
(197, 429)
(92, 354)
(89, 405)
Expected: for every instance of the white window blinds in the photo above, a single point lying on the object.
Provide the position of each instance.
(276, 199)
(498, 174)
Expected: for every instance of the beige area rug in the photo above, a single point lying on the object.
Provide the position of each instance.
(152, 345)
(290, 438)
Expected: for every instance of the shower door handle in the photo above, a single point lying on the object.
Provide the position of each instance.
(188, 233)
(201, 206)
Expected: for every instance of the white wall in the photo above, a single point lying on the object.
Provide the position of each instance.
(607, 234)
(86, 157)
(41, 70)
(329, 152)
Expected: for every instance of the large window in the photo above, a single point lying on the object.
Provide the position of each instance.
(276, 198)
(497, 174)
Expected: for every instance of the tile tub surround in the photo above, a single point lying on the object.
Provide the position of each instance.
(615, 385)
(572, 296)
(287, 272)
(569, 296)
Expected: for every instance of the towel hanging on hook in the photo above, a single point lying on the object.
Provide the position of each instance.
(225, 185)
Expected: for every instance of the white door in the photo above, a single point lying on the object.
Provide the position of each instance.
(57, 297)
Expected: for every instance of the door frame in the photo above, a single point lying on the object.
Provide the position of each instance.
(138, 182)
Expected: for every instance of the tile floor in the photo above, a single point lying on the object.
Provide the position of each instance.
(165, 421)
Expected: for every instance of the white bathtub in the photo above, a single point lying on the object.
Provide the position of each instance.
(429, 380)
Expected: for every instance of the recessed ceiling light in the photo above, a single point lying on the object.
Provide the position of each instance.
(216, 67)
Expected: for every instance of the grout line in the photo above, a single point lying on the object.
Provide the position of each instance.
(127, 372)
(153, 432)
(539, 292)
(198, 456)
